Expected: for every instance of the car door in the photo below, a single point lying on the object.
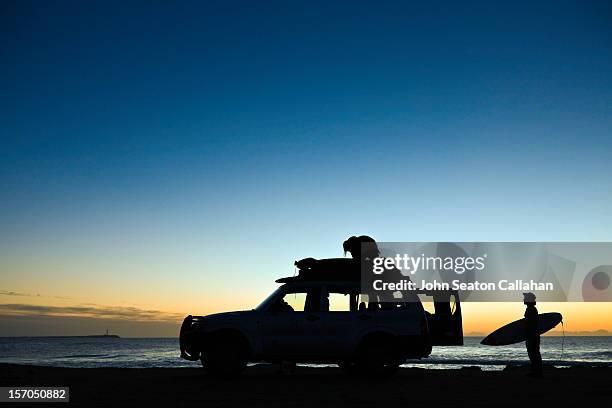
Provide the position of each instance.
(293, 329)
(278, 325)
(326, 332)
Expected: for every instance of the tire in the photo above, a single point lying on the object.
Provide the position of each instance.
(348, 367)
(225, 356)
(378, 356)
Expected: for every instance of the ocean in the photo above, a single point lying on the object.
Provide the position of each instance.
(164, 352)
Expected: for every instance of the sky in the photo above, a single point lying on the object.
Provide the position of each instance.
(162, 159)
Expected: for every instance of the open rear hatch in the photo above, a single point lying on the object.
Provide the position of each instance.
(445, 324)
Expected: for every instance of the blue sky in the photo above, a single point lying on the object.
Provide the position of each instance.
(164, 142)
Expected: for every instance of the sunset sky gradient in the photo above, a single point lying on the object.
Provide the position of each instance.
(164, 159)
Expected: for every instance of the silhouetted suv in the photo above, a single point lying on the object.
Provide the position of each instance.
(317, 322)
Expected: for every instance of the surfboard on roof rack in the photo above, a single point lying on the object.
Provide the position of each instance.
(328, 269)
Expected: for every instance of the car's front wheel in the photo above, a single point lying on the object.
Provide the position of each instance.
(224, 356)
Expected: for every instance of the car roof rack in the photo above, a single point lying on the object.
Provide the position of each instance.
(325, 270)
(301, 278)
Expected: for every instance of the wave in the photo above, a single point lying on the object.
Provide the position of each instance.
(486, 362)
(84, 356)
(598, 354)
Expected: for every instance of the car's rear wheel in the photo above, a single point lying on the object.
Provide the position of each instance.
(348, 367)
(378, 356)
(225, 356)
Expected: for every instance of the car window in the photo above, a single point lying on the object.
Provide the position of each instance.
(362, 302)
(339, 302)
(340, 299)
(268, 302)
(428, 305)
(453, 303)
(296, 300)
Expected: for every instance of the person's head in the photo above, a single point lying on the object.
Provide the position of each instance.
(529, 299)
(353, 245)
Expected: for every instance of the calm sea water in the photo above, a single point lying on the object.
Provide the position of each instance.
(164, 352)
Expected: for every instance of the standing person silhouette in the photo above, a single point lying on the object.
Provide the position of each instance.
(533, 337)
(364, 249)
(353, 246)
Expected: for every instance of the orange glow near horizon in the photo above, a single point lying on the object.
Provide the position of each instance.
(577, 317)
(478, 318)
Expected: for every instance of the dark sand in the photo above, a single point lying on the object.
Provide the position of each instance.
(264, 386)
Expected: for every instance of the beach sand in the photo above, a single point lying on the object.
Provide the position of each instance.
(265, 386)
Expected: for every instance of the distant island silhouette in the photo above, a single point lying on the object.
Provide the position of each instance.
(91, 336)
